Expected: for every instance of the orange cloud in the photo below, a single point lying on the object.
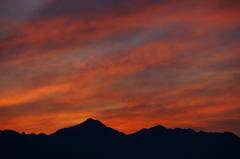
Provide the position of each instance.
(132, 65)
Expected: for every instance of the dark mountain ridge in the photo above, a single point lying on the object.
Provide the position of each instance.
(93, 138)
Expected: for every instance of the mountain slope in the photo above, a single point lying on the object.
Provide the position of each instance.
(186, 143)
(91, 137)
(16, 146)
(95, 139)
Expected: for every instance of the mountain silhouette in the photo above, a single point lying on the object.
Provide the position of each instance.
(90, 127)
(92, 139)
(19, 146)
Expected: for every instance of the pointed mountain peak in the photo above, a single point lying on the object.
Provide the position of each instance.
(158, 127)
(90, 127)
(92, 121)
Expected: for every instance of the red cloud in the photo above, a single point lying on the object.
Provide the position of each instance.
(132, 65)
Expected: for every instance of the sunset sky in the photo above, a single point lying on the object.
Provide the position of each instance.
(131, 64)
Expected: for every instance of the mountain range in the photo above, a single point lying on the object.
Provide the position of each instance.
(93, 140)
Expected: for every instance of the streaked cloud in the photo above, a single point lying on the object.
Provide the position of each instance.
(131, 64)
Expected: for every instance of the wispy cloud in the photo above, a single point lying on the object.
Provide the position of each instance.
(131, 64)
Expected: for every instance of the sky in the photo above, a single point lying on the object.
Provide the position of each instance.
(131, 64)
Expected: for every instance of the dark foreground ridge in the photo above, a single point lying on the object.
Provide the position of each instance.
(93, 140)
